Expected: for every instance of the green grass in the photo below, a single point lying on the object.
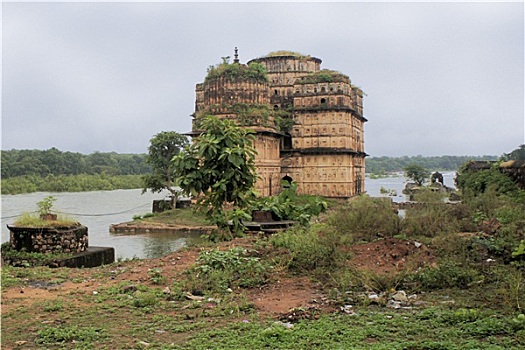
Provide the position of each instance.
(427, 329)
(30, 220)
(185, 217)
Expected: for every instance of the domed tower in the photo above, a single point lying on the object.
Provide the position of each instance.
(240, 92)
(323, 150)
(308, 121)
(284, 67)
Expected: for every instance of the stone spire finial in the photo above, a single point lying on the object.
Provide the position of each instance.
(236, 56)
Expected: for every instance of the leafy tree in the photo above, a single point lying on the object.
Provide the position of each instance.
(219, 168)
(163, 147)
(417, 173)
(476, 182)
(517, 154)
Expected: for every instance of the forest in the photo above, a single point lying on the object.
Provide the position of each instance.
(55, 162)
(52, 170)
(383, 165)
(26, 171)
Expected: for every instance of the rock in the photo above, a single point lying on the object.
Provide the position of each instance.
(286, 325)
(194, 297)
(400, 296)
(392, 304)
(167, 291)
(129, 289)
(373, 296)
(347, 309)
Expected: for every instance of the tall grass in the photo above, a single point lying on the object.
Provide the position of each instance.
(366, 219)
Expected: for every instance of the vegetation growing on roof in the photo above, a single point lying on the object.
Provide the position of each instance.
(234, 71)
(286, 53)
(323, 76)
(253, 115)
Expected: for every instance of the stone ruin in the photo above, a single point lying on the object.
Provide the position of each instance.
(70, 239)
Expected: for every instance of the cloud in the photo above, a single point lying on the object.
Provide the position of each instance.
(440, 78)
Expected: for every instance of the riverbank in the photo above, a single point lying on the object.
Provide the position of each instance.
(144, 304)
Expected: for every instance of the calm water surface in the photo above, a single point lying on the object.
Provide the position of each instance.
(98, 210)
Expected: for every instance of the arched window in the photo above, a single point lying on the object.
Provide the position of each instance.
(286, 181)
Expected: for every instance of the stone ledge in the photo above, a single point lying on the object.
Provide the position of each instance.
(91, 257)
(138, 228)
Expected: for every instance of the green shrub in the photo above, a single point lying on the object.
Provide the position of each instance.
(430, 216)
(311, 248)
(511, 287)
(366, 219)
(31, 220)
(474, 183)
(290, 206)
(67, 334)
(155, 276)
(145, 299)
(215, 271)
(448, 274)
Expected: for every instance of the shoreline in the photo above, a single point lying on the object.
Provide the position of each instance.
(142, 227)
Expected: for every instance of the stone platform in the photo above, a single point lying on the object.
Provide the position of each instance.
(91, 257)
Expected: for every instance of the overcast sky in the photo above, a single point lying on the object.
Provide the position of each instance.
(440, 78)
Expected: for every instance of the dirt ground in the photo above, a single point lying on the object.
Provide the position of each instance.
(277, 298)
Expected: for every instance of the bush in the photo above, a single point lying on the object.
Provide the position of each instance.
(311, 248)
(448, 274)
(290, 206)
(430, 217)
(366, 219)
(216, 271)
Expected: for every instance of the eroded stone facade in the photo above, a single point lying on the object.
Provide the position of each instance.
(309, 123)
(72, 239)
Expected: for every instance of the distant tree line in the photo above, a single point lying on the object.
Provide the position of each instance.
(54, 162)
(382, 165)
(26, 171)
(69, 183)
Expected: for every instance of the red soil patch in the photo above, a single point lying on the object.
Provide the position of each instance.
(391, 255)
(276, 298)
(285, 294)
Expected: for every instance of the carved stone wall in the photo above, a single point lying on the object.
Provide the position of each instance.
(324, 149)
(49, 240)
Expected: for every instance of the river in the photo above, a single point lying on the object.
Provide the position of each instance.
(98, 210)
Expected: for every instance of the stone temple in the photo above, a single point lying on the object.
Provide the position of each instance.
(308, 121)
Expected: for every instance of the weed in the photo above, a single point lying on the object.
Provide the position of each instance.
(512, 287)
(53, 305)
(311, 248)
(430, 219)
(155, 276)
(30, 220)
(448, 274)
(144, 216)
(366, 219)
(67, 334)
(217, 271)
(144, 300)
